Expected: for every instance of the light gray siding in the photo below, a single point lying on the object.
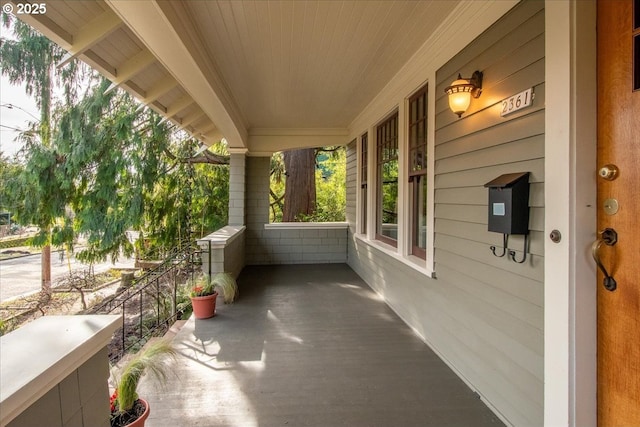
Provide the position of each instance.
(284, 246)
(482, 314)
(81, 399)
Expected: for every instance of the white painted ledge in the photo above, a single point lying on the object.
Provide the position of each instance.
(39, 355)
(306, 226)
(222, 237)
(416, 263)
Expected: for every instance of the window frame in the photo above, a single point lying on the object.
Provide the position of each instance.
(387, 141)
(418, 167)
(364, 152)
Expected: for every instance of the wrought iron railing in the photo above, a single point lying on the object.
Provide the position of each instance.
(149, 306)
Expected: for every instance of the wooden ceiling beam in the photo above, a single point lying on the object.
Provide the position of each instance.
(131, 67)
(90, 34)
(206, 129)
(192, 117)
(159, 89)
(46, 27)
(179, 105)
(172, 42)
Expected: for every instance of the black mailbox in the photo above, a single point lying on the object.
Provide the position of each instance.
(509, 203)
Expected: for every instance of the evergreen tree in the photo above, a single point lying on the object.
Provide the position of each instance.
(30, 60)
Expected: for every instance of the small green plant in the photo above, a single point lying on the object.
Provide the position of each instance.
(201, 286)
(183, 302)
(227, 285)
(151, 359)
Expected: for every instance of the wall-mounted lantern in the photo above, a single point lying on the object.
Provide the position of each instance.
(461, 91)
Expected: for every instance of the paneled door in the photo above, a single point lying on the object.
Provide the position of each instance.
(617, 252)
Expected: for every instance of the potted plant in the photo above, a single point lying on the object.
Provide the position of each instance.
(127, 408)
(203, 298)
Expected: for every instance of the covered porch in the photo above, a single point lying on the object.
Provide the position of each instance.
(312, 344)
(309, 345)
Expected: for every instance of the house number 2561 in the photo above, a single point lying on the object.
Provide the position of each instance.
(516, 102)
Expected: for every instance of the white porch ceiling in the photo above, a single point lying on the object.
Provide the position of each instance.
(235, 69)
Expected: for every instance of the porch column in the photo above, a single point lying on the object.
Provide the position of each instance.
(237, 188)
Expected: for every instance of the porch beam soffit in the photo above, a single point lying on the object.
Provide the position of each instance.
(270, 140)
(159, 89)
(46, 27)
(90, 34)
(179, 105)
(131, 67)
(192, 117)
(150, 22)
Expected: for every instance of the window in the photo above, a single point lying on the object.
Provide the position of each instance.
(387, 180)
(418, 171)
(364, 140)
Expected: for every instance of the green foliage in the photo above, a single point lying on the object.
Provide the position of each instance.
(276, 188)
(100, 166)
(331, 194)
(152, 359)
(390, 192)
(183, 301)
(331, 181)
(11, 171)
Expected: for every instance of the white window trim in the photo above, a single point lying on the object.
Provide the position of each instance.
(359, 201)
(408, 260)
(403, 250)
(431, 168)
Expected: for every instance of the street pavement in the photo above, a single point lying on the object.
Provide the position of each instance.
(22, 276)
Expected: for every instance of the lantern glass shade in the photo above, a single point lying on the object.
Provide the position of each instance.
(461, 91)
(460, 96)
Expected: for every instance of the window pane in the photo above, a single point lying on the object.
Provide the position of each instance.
(421, 213)
(388, 226)
(387, 180)
(418, 170)
(363, 180)
(413, 137)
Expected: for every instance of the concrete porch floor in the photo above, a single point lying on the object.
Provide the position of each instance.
(309, 345)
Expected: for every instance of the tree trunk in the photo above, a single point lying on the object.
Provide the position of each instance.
(46, 269)
(300, 186)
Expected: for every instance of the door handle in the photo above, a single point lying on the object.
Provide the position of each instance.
(609, 238)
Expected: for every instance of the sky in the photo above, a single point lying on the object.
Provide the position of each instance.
(24, 111)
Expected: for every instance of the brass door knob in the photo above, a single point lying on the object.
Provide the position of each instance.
(608, 172)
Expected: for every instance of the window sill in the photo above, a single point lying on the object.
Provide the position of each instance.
(412, 261)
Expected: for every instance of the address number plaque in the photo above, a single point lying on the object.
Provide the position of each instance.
(516, 102)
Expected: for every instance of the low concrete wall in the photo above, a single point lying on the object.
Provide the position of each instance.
(300, 243)
(223, 250)
(55, 371)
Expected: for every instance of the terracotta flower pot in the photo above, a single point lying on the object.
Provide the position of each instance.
(139, 422)
(204, 307)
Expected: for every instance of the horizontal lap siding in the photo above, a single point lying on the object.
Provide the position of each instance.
(482, 314)
(494, 304)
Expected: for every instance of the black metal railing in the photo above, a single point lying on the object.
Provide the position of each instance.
(149, 306)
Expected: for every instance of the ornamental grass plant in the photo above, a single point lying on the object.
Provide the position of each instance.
(227, 286)
(153, 359)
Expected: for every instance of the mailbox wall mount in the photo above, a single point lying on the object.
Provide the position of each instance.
(508, 210)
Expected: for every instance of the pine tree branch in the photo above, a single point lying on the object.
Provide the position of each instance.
(210, 158)
(205, 157)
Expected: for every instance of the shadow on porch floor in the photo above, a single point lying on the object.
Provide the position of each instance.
(309, 345)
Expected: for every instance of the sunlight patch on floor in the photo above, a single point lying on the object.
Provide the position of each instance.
(284, 334)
